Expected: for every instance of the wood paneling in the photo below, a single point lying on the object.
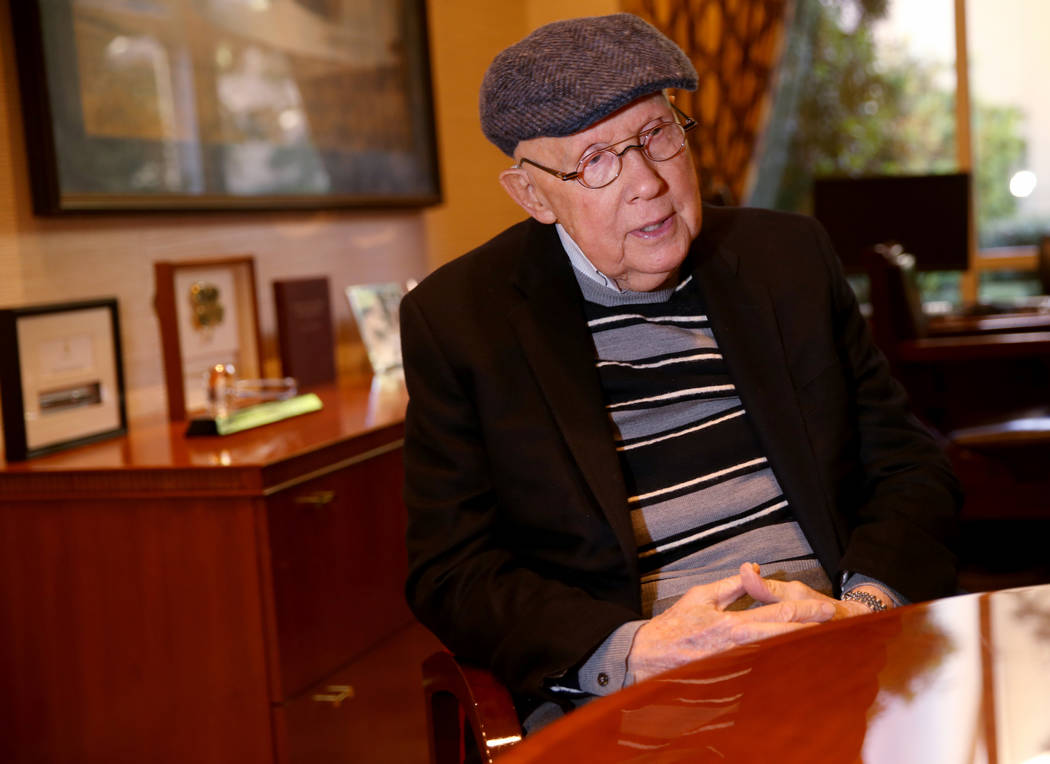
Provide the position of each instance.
(131, 632)
(162, 598)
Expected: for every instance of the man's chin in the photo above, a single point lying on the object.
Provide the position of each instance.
(650, 281)
(665, 263)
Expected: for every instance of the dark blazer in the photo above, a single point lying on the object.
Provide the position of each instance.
(520, 545)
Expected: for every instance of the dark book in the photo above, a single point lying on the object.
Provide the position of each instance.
(304, 330)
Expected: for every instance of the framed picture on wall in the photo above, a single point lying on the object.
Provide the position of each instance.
(61, 377)
(208, 315)
(214, 104)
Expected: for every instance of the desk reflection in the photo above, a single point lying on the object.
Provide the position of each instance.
(960, 680)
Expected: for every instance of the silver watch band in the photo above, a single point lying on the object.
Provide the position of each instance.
(869, 600)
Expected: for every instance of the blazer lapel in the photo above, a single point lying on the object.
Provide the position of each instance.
(554, 337)
(744, 320)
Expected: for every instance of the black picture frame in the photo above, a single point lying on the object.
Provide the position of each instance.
(198, 105)
(61, 376)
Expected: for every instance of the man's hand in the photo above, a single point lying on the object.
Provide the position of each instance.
(698, 625)
(768, 591)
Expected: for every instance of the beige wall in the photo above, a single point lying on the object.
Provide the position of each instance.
(56, 259)
(465, 35)
(546, 11)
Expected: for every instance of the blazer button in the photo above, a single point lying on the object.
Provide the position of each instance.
(603, 679)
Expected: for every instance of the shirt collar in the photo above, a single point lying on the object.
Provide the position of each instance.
(581, 263)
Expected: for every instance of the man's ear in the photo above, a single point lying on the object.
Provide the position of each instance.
(517, 183)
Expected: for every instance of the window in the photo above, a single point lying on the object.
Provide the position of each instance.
(1009, 59)
(872, 87)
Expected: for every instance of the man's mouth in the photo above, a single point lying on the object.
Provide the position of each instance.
(654, 229)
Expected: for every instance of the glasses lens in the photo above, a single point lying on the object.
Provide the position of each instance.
(665, 141)
(599, 169)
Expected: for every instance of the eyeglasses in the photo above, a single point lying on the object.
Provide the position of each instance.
(599, 168)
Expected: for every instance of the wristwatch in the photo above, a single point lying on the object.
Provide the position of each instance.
(872, 602)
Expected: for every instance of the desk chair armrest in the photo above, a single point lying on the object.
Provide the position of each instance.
(456, 695)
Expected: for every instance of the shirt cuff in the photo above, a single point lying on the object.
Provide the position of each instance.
(606, 670)
(851, 580)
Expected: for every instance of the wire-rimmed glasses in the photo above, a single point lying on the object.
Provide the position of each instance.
(596, 169)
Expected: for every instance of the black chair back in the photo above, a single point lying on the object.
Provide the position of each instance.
(895, 302)
(1044, 263)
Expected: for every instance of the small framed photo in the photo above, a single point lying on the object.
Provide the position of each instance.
(208, 315)
(375, 307)
(61, 377)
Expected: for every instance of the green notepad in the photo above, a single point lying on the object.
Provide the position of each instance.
(255, 416)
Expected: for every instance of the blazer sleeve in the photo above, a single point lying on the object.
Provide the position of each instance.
(471, 578)
(901, 513)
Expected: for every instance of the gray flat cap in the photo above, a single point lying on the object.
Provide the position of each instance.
(567, 75)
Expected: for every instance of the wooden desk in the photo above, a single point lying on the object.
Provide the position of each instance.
(165, 599)
(1028, 321)
(972, 370)
(965, 679)
(974, 347)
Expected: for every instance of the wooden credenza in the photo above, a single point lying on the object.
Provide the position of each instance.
(167, 599)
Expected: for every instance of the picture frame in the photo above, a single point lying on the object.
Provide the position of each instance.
(61, 376)
(211, 104)
(207, 313)
(376, 310)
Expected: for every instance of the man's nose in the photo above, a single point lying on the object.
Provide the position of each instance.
(643, 180)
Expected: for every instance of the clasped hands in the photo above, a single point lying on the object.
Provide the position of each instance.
(698, 624)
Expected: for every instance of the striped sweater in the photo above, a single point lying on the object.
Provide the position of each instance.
(702, 495)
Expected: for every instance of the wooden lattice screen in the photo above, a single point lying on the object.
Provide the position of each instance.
(734, 45)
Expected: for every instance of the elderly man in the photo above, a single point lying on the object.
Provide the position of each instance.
(632, 416)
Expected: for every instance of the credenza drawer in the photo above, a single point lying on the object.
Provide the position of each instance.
(370, 710)
(338, 560)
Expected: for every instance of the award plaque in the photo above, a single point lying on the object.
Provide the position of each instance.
(304, 330)
(61, 381)
(208, 316)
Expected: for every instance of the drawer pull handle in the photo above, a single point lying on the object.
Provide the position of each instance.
(316, 499)
(336, 694)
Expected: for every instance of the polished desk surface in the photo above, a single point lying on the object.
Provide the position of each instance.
(1007, 321)
(355, 416)
(960, 680)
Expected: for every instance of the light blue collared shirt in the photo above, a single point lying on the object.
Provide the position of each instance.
(581, 263)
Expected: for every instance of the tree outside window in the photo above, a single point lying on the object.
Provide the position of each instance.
(868, 87)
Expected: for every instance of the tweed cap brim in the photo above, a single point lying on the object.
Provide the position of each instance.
(566, 76)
